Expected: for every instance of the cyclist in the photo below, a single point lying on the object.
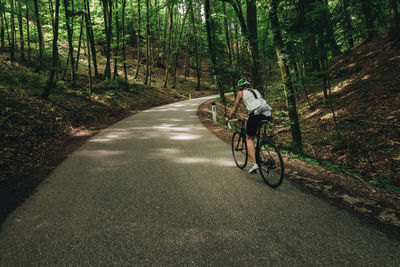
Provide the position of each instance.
(258, 110)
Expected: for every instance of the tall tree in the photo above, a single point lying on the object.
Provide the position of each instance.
(138, 40)
(117, 40)
(39, 31)
(27, 29)
(107, 13)
(2, 35)
(169, 44)
(91, 35)
(68, 19)
(211, 48)
(21, 31)
(348, 27)
(196, 52)
(147, 81)
(394, 20)
(123, 40)
(50, 82)
(366, 6)
(176, 53)
(286, 76)
(249, 30)
(253, 40)
(12, 44)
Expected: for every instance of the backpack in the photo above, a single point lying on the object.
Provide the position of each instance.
(263, 107)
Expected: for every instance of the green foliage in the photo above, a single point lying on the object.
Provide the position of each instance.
(115, 85)
(26, 80)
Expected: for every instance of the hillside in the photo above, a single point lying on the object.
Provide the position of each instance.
(361, 169)
(366, 95)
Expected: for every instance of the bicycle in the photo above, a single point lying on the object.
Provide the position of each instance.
(268, 156)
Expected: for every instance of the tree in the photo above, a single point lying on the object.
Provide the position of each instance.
(138, 40)
(249, 30)
(123, 39)
(39, 31)
(169, 45)
(286, 76)
(196, 52)
(68, 19)
(21, 31)
(107, 14)
(212, 50)
(369, 19)
(50, 81)
(394, 21)
(12, 44)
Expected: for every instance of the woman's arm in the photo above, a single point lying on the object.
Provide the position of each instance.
(235, 107)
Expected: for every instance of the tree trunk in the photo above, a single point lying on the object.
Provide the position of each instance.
(91, 36)
(2, 35)
(369, 20)
(123, 40)
(107, 26)
(79, 44)
(348, 28)
(146, 80)
(88, 54)
(88, 43)
(50, 82)
(12, 44)
(282, 58)
(394, 21)
(117, 44)
(27, 29)
(227, 39)
(196, 52)
(70, 40)
(177, 49)
(211, 48)
(21, 31)
(253, 41)
(39, 31)
(169, 45)
(138, 42)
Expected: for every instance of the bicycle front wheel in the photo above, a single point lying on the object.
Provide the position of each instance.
(270, 164)
(239, 149)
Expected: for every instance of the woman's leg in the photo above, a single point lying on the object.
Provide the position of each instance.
(251, 149)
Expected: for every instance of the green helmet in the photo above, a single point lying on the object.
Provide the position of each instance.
(243, 82)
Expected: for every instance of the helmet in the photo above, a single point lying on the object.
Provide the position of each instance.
(243, 82)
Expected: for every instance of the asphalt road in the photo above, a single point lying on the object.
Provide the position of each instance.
(158, 189)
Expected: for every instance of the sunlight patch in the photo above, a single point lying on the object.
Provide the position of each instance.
(191, 160)
(185, 137)
(99, 153)
(169, 151)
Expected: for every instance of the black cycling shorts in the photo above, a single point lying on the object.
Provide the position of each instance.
(253, 123)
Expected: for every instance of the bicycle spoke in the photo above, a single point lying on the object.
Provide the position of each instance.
(271, 165)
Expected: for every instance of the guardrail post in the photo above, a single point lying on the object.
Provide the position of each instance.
(214, 112)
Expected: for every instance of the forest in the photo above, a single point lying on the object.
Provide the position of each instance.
(323, 64)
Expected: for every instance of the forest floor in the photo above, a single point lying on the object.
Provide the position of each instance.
(360, 169)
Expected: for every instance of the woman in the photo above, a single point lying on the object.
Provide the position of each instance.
(258, 111)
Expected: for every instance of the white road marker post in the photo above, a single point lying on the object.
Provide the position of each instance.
(214, 112)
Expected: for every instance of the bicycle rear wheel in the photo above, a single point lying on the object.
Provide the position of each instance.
(239, 149)
(270, 164)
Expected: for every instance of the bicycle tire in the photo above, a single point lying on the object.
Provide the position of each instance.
(239, 149)
(270, 164)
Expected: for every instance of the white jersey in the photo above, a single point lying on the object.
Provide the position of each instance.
(249, 100)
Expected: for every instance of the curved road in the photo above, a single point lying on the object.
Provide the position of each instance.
(158, 189)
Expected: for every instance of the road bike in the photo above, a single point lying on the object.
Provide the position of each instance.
(268, 157)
